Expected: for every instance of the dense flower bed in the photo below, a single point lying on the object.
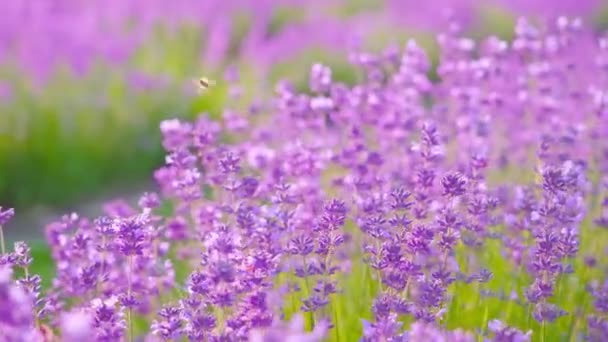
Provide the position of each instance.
(396, 209)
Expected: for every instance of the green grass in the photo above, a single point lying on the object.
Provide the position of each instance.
(80, 135)
(43, 264)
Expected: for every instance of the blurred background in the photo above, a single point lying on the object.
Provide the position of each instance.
(85, 83)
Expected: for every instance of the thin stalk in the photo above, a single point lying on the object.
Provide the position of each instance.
(26, 272)
(580, 299)
(129, 313)
(308, 292)
(103, 263)
(335, 310)
(3, 250)
(542, 331)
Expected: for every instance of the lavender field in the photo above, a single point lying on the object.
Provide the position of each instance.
(359, 170)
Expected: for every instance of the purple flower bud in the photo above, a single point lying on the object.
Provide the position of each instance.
(454, 184)
(598, 328)
(400, 199)
(76, 326)
(109, 323)
(16, 314)
(301, 245)
(504, 333)
(6, 215)
(22, 254)
(169, 327)
(590, 261)
(545, 312)
(131, 234)
(385, 329)
(292, 331)
(177, 229)
(320, 78)
(149, 200)
(229, 163)
(420, 331)
(175, 134)
(248, 187)
(553, 179)
(539, 290)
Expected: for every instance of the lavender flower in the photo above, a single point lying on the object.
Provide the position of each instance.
(544, 312)
(169, 327)
(292, 332)
(426, 332)
(393, 193)
(453, 184)
(504, 333)
(109, 321)
(76, 326)
(16, 311)
(6, 215)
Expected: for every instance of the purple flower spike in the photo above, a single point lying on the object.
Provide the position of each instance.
(545, 312)
(454, 184)
(6, 215)
(22, 254)
(76, 326)
(293, 331)
(16, 314)
(428, 332)
(504, 333)
(170, 326)
(149, 200)
(320, 78)
(553, 179)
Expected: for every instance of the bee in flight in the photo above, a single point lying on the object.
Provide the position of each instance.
(204, 83)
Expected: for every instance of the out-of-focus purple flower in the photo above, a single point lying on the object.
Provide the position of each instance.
(385, 328)
(292, 332)
(118, 208)
(170, 324)
(598, 328)
(149, 200)
(505, 333)
(454, 184)
(177, 228)
(400, 198)
(600, 296)
(539, 290)
(320, 78)
(22, 254)
(248, 187)
(6, 215)
(176, 134)
(131, 234)
(545, 312)
(76, 325)
(109, 322)
(16, 311)
(420, 331)
(301, 245)
(553, 179)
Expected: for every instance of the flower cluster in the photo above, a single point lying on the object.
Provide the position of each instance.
(400, 208)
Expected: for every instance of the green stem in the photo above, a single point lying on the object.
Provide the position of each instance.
(308, 293)
(129, 314)
(528, 315)
(3, 250)
(99, 282)
(542, 331)
(581, 300)
(335, 307)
